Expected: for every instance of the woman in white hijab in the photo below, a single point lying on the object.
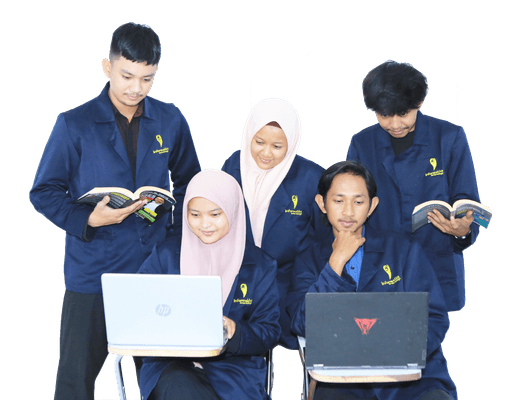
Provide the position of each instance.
(213, 243)
(279, 188)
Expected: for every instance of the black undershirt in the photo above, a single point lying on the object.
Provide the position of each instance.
(400, 145)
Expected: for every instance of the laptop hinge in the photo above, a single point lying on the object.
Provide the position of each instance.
(412, 365)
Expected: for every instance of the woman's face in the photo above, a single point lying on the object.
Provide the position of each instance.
(206, 220)
(269, 147)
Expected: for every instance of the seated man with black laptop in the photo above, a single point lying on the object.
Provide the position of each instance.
(358, 259)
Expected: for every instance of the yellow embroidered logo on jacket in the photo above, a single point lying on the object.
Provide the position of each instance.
(433, 162)
(244, 290)
(295, 203)
(387, 270)
(162, 149)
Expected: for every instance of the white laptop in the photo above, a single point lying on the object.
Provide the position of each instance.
(163, 312)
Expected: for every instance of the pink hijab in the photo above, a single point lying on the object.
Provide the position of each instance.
(224, 257)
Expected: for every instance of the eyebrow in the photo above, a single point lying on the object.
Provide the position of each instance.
(125, 71)
(208, 211)
(260, 138)
(343, 195)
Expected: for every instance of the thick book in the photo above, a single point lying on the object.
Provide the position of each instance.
(160, 201)
(481, 213)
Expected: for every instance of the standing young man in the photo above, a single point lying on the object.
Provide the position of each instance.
(358, 258)
(417, 158)
(122, 138)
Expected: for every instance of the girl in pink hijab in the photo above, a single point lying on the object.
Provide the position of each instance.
(279, 188)
(213, 242)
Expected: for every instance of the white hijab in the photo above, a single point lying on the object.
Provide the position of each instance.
(260, 185)
(224, 257)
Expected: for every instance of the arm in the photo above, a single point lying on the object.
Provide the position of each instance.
(462, 184)
(307, 277)
(260, 331)
(352, 153)
(50, 193)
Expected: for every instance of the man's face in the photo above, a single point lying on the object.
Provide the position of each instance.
(347, 204)
(130, 82)
(398, 125)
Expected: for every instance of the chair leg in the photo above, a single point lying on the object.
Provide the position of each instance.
(118, 375)
(270, 372)
(312, 388)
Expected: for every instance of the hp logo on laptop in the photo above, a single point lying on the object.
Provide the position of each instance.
(163, 310)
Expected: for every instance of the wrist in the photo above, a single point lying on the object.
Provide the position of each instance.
(463, 237)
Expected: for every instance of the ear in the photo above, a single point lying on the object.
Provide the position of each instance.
(319, 201)
(106, 67)
(374, 204)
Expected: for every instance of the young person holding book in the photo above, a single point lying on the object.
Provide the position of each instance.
(416, 158)
(214, 243)
(279, 188)
(122, 138)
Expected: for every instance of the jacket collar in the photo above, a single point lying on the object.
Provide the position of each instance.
(148, 128)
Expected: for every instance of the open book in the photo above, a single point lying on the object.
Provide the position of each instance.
(481, 213)
(160, 201)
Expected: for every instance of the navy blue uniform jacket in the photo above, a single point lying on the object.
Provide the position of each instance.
(233, 376)
(409, 271)
(86, 150)
(289, 228)
(438, 166)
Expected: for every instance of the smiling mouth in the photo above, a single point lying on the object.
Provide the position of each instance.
(265, 161)
(208, 233)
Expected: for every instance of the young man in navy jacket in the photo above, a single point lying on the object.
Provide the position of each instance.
(358, 258)
(122, 138)
(417, 158)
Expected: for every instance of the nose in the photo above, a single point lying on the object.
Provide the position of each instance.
(266, 152)
(396, 122)
(348, 209)
(206, 223)
(136, 86)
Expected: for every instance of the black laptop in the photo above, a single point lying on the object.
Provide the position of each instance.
(366, 330)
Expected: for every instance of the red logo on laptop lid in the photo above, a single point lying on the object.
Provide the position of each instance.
(365, 324)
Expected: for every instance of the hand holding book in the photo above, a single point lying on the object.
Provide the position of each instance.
(458, 227)
(103, 215)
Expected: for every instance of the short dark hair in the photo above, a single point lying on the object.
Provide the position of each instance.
(394, 88)
(345, 167)
(137, 43)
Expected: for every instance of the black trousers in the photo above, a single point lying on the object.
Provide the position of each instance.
(181, 380)
(83, 346)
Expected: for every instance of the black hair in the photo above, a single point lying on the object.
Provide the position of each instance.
(345, 167)
(394, 88)
(137, 43)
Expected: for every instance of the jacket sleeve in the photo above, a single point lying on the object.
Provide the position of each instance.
(307, 279)
(352, 153)
(260, 331)
(183, 165)
(419, 276)
(152, 265)
(462, 183)
(50, 192)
